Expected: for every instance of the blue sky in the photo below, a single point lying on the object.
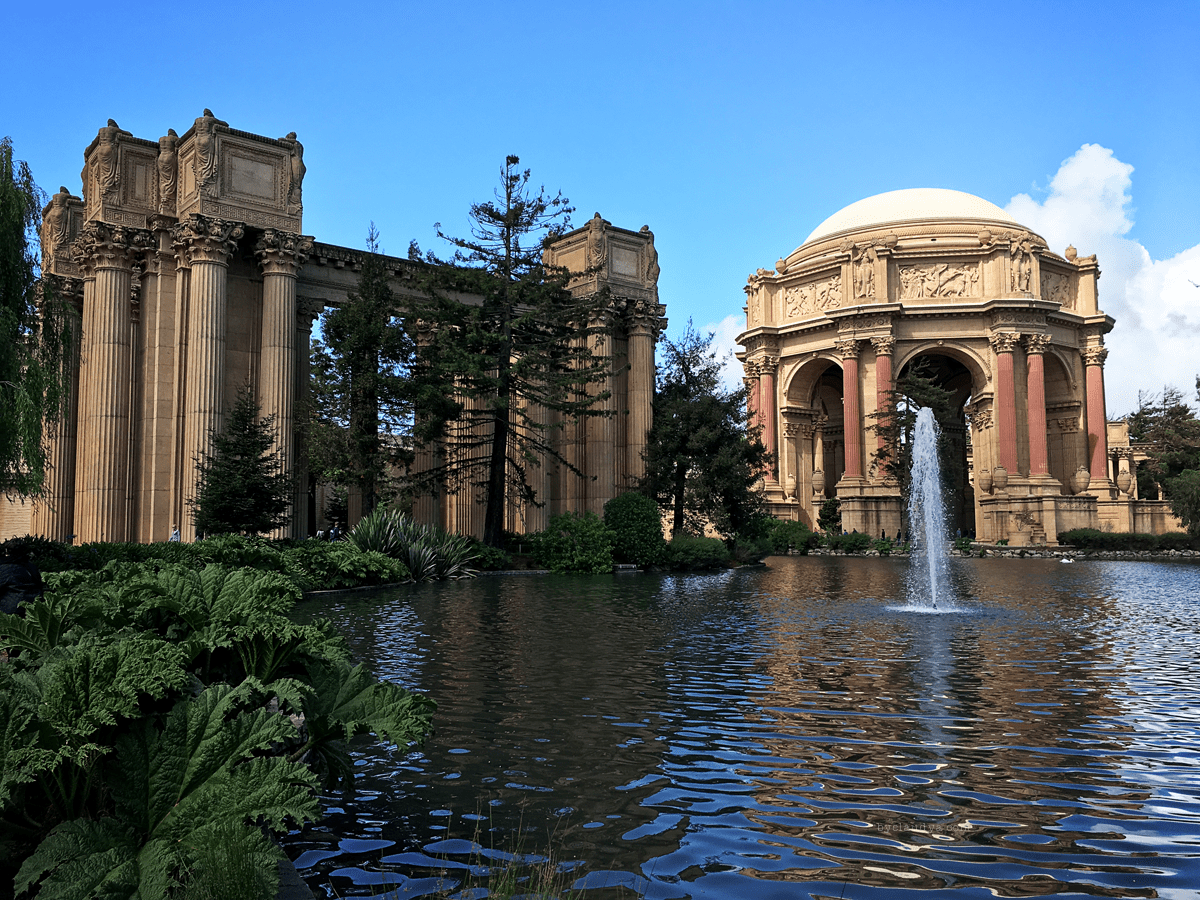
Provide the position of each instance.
(732, 130)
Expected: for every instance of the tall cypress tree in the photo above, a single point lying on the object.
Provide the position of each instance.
(241, 488)
(495, 379)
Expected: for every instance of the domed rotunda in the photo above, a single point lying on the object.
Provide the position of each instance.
(951, 287)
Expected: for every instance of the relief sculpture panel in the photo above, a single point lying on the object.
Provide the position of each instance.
(816, 296)
(1058, 288)
(919, 282)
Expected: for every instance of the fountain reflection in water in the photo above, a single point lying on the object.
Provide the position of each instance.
(929, 587)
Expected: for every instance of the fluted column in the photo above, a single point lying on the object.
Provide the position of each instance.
(106, 254)
(280, 254)
(54, 512)
(307, 311)
(1003, 344)
(818, 475)
(1093, 360)
(204, 245)
(767, 366)
(1035, 349)
(641, 395)
(884, 347)
(851, 408)
(600, 430)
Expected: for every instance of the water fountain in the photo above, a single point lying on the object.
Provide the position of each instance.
(929, 572)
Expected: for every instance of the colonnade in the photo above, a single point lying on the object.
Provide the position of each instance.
(89, 483)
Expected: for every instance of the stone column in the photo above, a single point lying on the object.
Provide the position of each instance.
(818, 475)
(750, 382)
(54, 512)
(1035, 348)
(600, 430)
(1003, 344)
(767, 366)
(641, 393)
(280, 254)
(1093, 360)
(204, 244)
(106, 254)
(884, 347)
(851, 408)
(307, 311)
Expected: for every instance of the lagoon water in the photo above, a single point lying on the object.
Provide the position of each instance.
(784, 732)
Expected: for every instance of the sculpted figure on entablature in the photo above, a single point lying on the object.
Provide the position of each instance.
(938, 280)
(206, 150)
(168, 172)
(105, 162)
(1021, 268)
(56, 223)
(296, 174)
(597, 253)
(864, 272)
(652, 267)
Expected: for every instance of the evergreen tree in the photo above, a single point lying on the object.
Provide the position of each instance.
(361, 414)
(494, 380)
(36, 331)
(703, 458)
(240, 486)
(1168, 425)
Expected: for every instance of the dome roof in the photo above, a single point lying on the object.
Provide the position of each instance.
(910, 205)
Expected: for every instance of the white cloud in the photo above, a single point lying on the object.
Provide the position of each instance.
(724, 345)
(1155, 305)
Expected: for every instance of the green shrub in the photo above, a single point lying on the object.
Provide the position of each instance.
(1091, 539)
(855, 542)
(489, 559)
(962, 545)
(883, 546)
(635, 523)
(574, 543)
(688, 553)
(788, 534)
(829, 518)
(425, 550)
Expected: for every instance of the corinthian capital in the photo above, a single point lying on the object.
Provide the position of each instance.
(847, 349)
(1004, 341)
(884, 346)
(1095, 356)
(768, 365)
(205, 239)
(281, 252)
(1036, 343)
(104, 246)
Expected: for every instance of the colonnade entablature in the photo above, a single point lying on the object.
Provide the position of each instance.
(1011, 329)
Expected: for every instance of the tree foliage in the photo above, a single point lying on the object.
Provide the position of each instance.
(241, 488)
(495, 379)
(361, 413)
(703, 458)
(36, 331)
(1168, 425)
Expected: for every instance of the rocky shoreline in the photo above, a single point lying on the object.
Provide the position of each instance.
(995, 551)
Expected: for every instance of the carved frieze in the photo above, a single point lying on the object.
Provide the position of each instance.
(931, 280)
(813, 297)
(1058, 288)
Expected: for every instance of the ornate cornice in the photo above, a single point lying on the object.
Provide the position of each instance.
(205, 239)
(282, 252)
(1004, 341)
(104, 246)
(1094, 356)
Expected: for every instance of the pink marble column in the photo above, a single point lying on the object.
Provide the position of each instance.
(851, 408)
(767, 367)
(884, 347)
(1035, 348)
(1093, 360)
(1003, 344)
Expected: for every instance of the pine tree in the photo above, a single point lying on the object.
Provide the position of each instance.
(494, 379)
(240, 486)
(703, 458)
(362, 414)
(36, 331)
